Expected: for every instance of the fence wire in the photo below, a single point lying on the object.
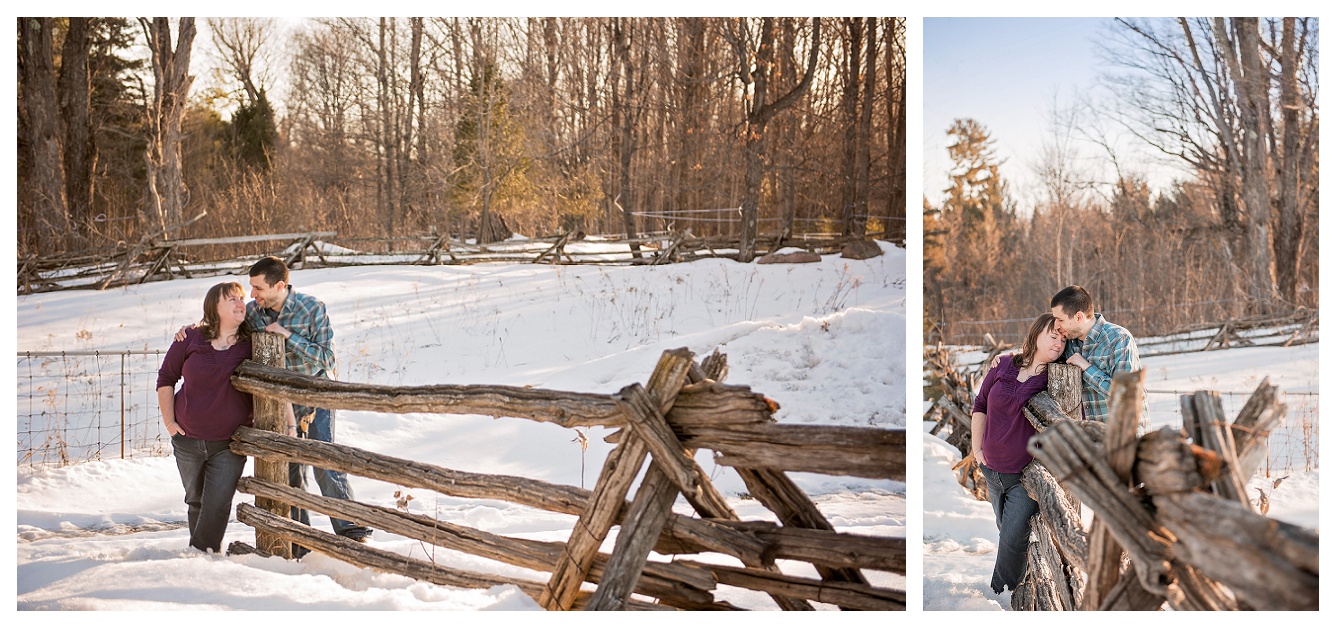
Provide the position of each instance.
(93, 405)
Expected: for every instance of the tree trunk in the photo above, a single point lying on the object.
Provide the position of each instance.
(759, 113)
(171, 91)
(45, 185)
(75, 110)
(1251, 81)
(863, 156)
(1290, 222)
(897, 200)
(849, 117)
(626, 137)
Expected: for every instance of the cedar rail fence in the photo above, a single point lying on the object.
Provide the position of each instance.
(156, 258)
(1172, 522)
(683, 407)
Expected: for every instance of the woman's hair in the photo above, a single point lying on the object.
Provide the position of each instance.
(1041, 325)
(212, 324)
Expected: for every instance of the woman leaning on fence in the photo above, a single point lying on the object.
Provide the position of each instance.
(202, 415)
(999, 434)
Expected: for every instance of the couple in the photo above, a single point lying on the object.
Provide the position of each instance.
(1071, 332)
(202, 415)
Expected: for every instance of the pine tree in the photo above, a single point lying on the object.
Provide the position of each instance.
(488, 152)
(254, 134)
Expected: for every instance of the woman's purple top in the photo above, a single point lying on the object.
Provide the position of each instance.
(1006, 431)
(207, 406)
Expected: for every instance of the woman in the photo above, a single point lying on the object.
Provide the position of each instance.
(1000, 433)
(202, 416)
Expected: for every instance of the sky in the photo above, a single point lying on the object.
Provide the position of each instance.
(1009, 74)
(825, 340)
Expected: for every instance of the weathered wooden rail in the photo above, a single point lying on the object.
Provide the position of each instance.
(159, 259)
(681, 408)
(1172, 522)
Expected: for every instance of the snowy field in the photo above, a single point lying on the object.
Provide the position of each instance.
(960, 536)
(825, 340)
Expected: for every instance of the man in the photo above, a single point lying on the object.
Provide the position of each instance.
(1098, 347)
(309, 349)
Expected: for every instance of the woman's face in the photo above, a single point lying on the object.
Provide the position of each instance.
(1050, 345)
(232, 308)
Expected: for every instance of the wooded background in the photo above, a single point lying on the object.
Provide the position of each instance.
(1235, 99)
(467, 126)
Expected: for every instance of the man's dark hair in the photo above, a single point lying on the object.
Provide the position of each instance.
(273, 269)
(1073, 299)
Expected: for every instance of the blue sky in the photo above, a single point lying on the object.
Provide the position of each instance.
(1006, 73)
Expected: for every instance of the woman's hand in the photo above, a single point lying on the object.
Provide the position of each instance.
(978, 457)
(174, 428)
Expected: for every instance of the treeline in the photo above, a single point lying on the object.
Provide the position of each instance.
(474, 127)
(1235, 100)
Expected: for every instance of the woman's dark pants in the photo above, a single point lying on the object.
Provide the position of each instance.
(209, 473)
(1013, 508)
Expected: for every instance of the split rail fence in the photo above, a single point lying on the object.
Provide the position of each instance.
(159, 259)
(683, 407)
(1172, 522)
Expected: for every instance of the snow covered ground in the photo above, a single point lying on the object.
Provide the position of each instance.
(826, 340)
(960, 537)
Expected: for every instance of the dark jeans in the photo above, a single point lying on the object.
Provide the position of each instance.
(209, 473)
(332, 483)
(1013, 508)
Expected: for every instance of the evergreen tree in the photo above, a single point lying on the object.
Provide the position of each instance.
(488, 153)
(254, 134)
(978, 220)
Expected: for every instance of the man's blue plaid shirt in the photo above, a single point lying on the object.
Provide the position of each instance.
(1110, 349)
(310, 348)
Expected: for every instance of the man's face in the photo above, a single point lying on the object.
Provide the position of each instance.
(1068, 326)
(265, 295)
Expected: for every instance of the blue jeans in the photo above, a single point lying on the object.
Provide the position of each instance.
(1013, 508)
(332, 483)
(209, 474)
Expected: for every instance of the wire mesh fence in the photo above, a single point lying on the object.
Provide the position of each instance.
(76, 406)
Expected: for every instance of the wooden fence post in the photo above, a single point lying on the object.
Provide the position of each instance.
(268, 349)
(609, 496)
(1052, 580)
(1120, 449)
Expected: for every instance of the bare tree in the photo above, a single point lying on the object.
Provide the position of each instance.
(1203, 93)
(166, 191)
(244, 44)
(754, 66)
